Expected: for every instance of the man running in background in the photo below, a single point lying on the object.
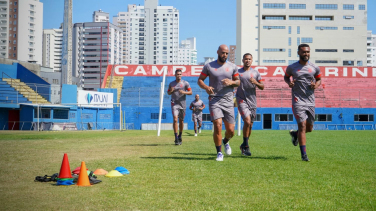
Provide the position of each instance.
(246, 99)
(197, 106)
(223, 77)
(306, 78)
(178, 90)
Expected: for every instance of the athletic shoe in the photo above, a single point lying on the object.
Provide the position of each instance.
(180, 140)
(294, 137)
(195, 134)
(199, 130)
(305, 157)
(228, 150)
(219, 156)
(176, 142)
(245, 150)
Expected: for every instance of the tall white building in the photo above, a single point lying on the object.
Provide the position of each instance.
(271, 31)
(21, 30)
(95, 45)
(188, 52)
(100, 16)
(371, 49)
(52, 47)
(151, 33)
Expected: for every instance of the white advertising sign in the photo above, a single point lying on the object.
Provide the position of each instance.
(95, 99)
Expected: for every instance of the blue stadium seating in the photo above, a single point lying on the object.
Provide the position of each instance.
(9, 95)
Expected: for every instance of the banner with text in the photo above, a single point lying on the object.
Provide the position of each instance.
(265, 71)
(95, 99)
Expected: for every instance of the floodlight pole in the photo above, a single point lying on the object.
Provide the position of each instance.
(239, 123)
(161, 94)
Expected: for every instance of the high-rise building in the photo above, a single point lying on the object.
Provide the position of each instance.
(21, 30)
(151, 33)
(95, 45)
(232, 53)
(188, 52)
(100, 16)
(371, 49)
(271, 31)
(52, 47)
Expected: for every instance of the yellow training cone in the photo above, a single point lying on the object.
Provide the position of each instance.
(114, 173)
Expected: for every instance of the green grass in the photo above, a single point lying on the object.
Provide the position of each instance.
(341, 174)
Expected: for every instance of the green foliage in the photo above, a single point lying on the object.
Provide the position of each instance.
(340, 175)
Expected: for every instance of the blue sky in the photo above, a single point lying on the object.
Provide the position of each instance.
(212, 22)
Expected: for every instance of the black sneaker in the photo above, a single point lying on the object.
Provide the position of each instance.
(294, 137)
(180, 140)
(176, 142)
(305, 157)
(245, 150)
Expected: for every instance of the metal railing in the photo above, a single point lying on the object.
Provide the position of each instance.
(50, 126)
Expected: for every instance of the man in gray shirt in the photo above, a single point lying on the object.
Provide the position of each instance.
(178, 90)
(306, 78)
(246, 99)
(223, 77)
(197, 106)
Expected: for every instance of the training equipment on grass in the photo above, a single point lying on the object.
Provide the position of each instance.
(100, 172)
(122, 170)
(65, 171)
(114, 173)
(83, 179)
(77, 170)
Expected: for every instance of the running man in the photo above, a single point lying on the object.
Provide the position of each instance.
(223, 77)
(246, 99)
(178, 90)
(306, 78)
(197, 106)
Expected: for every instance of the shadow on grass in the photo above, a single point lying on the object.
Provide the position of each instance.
(189, 153)
(147, 145)
(178, 158)
(264, 158)
(236, 156)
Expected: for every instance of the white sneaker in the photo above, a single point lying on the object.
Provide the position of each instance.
(195, 134)
(219, 156)
(228, 150)
(199, 130)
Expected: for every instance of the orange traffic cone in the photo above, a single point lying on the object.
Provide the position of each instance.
(65, 171)
(83, 178)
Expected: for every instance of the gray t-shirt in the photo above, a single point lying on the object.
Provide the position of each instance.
(216, 74)
(247, 90)
(302, 94)
(197, 104)
(178, 99)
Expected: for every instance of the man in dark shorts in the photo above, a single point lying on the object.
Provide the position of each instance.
(246, 99)
(178, 90)
(197, 106)
(306, 78)
(223, 77)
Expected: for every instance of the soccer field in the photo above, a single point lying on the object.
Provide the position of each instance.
(340, 175)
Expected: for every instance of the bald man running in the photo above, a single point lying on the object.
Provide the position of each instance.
(223, 77)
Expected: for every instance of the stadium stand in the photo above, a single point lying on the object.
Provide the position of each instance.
(26, 91)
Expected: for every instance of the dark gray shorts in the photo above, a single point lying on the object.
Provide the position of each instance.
(304, 113)
(245, 110)
(222, 108)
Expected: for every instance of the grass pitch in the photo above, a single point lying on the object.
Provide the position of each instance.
(341, 174)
